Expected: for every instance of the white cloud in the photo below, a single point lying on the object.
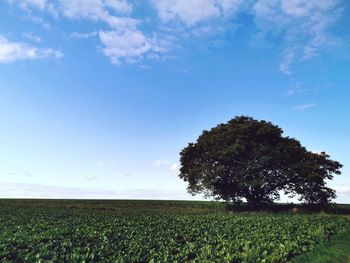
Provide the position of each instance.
(93, 9)
(287, 61)
(121, 23)
(90, 9)
(302, 8)
(41, 5)
(309, 52)
(296, 89)
(15, 51)
(85, 35)
(116, 13)
(303, 24)
(130, 45)
(121, 6)
(195, 11)
(25, 4)
(38, 20)
(304, 106)
(124, 42)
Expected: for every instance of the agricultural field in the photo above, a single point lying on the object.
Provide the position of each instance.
(155, 231)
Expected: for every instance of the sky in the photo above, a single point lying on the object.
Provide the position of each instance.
(98, 97)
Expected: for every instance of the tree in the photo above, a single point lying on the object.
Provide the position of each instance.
(247, 159)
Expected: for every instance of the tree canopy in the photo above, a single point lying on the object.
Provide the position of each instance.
(250, 160)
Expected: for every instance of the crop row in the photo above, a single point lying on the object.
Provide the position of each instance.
(82, 235)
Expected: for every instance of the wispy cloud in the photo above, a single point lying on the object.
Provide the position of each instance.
(304, 106)
(303, 24)
(15, 51)
(93, 9)
(123, 42)
(37, 20)
(288, 59)
(85, 35)
(191, 13)
(41, 5)
(295, 89)
(32, 37)
(129, 45)
(25, 4)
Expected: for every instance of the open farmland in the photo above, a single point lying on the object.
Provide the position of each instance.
(154, 231)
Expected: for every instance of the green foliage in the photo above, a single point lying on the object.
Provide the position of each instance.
(250, 159)
(335, 250)
(48, 231)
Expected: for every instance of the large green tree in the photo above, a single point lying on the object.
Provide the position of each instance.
(251, 160)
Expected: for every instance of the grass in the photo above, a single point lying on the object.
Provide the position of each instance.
(335, 250)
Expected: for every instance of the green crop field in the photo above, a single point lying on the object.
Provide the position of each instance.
(155, 231)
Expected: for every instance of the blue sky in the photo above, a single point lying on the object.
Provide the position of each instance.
(98, 97)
